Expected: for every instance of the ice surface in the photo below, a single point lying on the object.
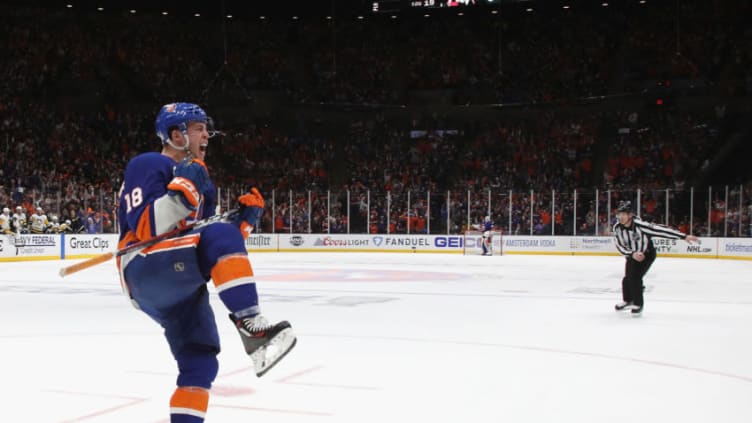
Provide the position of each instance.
(399, 338)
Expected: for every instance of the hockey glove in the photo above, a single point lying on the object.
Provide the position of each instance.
(190, 181)
(251, 209)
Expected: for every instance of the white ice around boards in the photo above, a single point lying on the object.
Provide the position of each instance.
(400, 338)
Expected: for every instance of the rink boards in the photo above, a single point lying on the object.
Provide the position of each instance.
(76, 246)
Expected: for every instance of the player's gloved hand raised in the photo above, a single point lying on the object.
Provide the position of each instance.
(190, 182)
(251, 209)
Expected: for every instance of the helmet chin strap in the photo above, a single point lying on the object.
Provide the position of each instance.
(186, 147)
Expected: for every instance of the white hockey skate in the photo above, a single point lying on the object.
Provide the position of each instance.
(264, 342)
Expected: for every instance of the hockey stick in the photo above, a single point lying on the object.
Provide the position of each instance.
(146, 243)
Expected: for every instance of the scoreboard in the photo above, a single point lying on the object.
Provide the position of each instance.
(388, 6)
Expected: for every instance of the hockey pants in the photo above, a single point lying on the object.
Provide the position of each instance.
(632, 285)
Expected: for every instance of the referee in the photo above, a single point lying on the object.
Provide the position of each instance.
(634, 239)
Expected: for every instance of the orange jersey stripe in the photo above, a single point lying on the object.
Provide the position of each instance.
(190, 240)
(201, 162)
(231, 268)
(190, 398)
(129, 237)
(143, 229)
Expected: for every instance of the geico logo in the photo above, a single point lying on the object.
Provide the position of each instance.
(96, 242)
(448, 241)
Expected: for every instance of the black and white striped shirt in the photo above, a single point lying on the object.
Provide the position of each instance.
(638, 236)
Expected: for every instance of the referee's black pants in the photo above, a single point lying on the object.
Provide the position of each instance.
(632, 286)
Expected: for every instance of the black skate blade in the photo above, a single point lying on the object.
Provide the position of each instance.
(275, 350)
(625, 307)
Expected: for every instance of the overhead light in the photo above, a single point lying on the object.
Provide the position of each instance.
(133, 11)
(394, 16)
(197, 15)
(295, 18)
(642, 1)
(426, 15)
(494, 12)
(328, 18)
(529, 9)
(100, 8)
(566, 6)
(604, 4)
(262, 17)
(164, 13)
(69, 6)
(460, 14)
(229, 16)
(360, 17)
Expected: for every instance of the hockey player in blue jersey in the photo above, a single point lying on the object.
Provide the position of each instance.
(487, 245)
(168, 280)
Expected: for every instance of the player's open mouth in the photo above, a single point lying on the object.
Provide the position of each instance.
(203, 147)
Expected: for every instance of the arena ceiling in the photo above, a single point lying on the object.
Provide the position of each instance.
(302, 8)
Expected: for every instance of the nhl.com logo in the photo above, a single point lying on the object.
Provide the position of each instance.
(297, 240)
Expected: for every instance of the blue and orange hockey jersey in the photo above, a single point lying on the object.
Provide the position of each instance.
(145, 209)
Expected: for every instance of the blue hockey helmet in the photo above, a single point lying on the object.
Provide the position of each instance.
(177, 115)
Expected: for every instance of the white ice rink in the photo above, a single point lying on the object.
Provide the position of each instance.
(399, 338)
